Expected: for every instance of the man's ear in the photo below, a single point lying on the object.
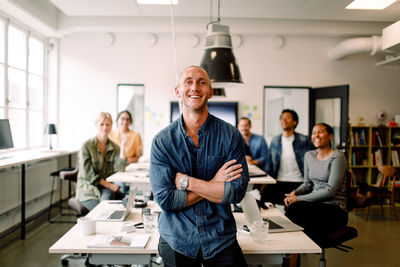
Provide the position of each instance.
(211, 93)
(177, 93)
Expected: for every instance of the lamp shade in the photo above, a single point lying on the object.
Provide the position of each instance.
(50, 129)
(218, 59)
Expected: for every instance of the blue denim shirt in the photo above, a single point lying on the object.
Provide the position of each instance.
(259, 150)
(301, 144)
(206, 225)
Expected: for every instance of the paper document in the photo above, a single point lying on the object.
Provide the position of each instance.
(120, 241)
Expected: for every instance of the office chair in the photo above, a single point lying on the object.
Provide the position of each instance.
(81, 211)
(335, 239)
(384, 189)
(70, 175)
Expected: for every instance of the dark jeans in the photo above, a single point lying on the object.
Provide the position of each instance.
(231, 256)
(275, 193)
(317, 218)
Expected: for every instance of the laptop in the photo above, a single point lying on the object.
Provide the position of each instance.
(277, 224)
(120, 214)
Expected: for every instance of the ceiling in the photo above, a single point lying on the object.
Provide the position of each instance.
(332, 10)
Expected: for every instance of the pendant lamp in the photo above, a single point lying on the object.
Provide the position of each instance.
(218, 59)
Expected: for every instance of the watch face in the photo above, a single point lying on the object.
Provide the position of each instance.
(184, 183)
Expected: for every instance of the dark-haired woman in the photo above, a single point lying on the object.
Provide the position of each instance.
(319, 204)
(133, 147)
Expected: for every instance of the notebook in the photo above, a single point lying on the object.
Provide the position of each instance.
(120, 214)
(119, 241)
(277, 224)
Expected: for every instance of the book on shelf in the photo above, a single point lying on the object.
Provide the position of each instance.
(119, 241)
(362, 138)
(378, 158)
(379, 139)
(373, 143)
(379, 180)
(395, 158)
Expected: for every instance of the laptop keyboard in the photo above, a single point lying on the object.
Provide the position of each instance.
(118, 214)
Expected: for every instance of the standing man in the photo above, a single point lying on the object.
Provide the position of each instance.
(256, 147)
(286, 162)
(198, 168)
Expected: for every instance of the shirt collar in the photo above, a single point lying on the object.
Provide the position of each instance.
(109, 146)
(205, 128)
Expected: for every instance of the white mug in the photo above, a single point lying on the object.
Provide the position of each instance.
(87, 225)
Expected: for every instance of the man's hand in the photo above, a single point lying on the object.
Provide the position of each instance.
(228, 172)
(290, 199)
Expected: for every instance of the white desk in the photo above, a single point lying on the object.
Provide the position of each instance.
(21, 158)
(272, 252)
(137, 173)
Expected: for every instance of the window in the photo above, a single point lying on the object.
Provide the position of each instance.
(22, 90)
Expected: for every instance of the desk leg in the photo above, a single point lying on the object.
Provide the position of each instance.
(23, 221)
(69, 181)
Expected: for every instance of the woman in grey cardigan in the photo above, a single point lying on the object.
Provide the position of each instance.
(319, 204)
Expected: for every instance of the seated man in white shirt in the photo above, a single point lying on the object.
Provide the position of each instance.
(286, 159)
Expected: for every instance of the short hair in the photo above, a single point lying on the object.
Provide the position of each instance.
(245, 118)
(102, 116)
(127, 112)
(294, 115)
(328, 128)
(194, 66)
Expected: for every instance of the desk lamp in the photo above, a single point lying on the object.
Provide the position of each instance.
(50, 130)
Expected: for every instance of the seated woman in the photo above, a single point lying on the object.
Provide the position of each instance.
(133, 147)
(319, 204)
(99, 158)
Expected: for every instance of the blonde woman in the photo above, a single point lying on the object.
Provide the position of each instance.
(99, 158)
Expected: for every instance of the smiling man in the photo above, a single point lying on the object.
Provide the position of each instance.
(286, 159)
(197, 169)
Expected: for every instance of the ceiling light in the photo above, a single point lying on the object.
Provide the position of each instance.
(370, 4)
(157, 2)
(218, 59)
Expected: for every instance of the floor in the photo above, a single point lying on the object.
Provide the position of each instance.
(377, 244)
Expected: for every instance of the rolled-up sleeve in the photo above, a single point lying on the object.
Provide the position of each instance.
(235, 191)
(162, 179)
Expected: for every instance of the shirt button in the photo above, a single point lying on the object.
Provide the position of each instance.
(200, 228)
(198, 213)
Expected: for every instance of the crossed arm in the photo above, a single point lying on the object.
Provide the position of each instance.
(212, 190)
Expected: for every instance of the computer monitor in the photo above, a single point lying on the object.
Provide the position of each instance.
(5, 135)
(227, 111)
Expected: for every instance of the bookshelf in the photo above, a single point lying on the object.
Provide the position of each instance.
(364, 142)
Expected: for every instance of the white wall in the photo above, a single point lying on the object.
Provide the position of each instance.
(90, 71)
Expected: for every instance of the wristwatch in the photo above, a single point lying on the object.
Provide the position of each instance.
(184, 183)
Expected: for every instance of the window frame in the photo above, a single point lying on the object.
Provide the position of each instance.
(27, 72)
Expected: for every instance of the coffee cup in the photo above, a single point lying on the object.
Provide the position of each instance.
(87, 225)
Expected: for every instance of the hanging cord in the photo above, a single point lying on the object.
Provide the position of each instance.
(211, 14)
(174, 43)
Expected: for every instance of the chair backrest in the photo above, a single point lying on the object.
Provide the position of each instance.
(71, 174)
(351, 191)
